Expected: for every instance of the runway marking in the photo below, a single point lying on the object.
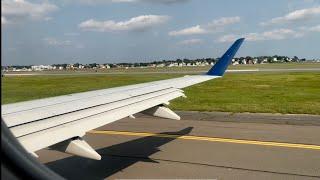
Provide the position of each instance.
(211, 139)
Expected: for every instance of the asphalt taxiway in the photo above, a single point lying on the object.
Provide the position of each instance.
(153, 148)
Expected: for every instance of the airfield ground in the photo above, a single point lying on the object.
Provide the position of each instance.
(267, 92)
(185, 69)
(155, 148)
(210, 145)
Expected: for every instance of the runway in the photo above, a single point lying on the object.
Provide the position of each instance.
(153, 148)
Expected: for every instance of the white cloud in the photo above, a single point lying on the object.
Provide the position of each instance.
(54, 42)
(167, 2)
(298, 15)
(213, 26)
(3, 20)
(72, 34)
(224, 21)
(277, 34)
(162, 1)
(80, 46)
(190, 42)
(227, 38)
(50, 41)
(188, 31)
(120, 1)
(139, 23)
(94, 2)
(315, 28)
(311, 29)
(19, 10)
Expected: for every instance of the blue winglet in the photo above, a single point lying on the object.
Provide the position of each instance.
(220, 67)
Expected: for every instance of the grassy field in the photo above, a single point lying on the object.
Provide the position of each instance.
(185, 68)
(287, 93)
(22, 88)
(297, 93)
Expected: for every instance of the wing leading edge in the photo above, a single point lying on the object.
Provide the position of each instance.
(60, 122)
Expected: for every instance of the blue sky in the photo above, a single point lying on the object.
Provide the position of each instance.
(112, 31)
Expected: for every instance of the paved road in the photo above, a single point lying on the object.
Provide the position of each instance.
(266, 118)
(158, 148)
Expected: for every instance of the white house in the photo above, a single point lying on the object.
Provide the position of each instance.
(161, 65)
(235, 63)
(41, 67)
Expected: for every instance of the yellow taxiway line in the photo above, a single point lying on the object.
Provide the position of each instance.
(211, 139)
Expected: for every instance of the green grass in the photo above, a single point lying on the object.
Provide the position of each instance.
(297, 93)
(185, 68)
(287, 93)
(22, 88)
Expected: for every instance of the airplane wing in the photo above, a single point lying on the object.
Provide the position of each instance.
(60, 122)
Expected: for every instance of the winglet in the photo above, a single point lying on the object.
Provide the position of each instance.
(220, 67)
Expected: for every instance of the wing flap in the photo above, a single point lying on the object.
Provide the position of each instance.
(35, 126)
(35, 114)
(38, 140)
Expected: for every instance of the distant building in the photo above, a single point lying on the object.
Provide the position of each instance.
(41, 67)
(265, 60)
(235, 63)
(173, 64)
(101, 66)
(275, 59)
(161, 65)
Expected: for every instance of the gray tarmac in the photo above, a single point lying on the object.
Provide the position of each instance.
(200, 146)
(266, 118)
